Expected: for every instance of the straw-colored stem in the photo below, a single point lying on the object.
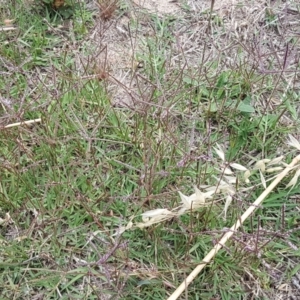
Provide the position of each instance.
(7, 28)
(232, 230)
(23, 123)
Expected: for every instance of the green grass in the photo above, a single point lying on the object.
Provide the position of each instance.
(69, 182)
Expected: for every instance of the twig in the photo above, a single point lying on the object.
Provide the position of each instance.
(7, 28)
(232, 230)
(23, 123)
(210, 14)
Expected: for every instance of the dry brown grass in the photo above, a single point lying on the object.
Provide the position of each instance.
(107, 8)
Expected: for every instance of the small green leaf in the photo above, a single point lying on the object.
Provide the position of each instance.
(247, 108)
(222, 80)
(187, 80)
(213, 107)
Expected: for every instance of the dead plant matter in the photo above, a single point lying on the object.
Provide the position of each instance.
(107, 8)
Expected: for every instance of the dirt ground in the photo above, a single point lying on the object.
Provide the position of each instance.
(234, 25)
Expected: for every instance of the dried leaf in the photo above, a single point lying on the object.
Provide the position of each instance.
(266, 160)
(293, 142)
(272, 170)
(238, 167)
(58, 3)
(220, 152)
(227, 203)
(226, 187)
(155, 213)
(294, 180)
(230, 179)
(122, 229)
(185, 200)
(154, 220)
(262, 179)
(275, 160)
(260, 165)
(195, 200)
(227, 171)
(199, 196)
(8, 22)
(247, 174)
(7, 220)
(20, 238)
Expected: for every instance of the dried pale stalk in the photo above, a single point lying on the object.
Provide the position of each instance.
(7, 28)
(232, 230)
(23, 123)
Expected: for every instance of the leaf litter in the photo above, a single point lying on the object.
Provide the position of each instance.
(210, 194)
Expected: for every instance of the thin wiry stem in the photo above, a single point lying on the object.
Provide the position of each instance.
(232, 230)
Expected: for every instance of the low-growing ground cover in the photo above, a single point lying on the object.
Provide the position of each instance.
(130, 104)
